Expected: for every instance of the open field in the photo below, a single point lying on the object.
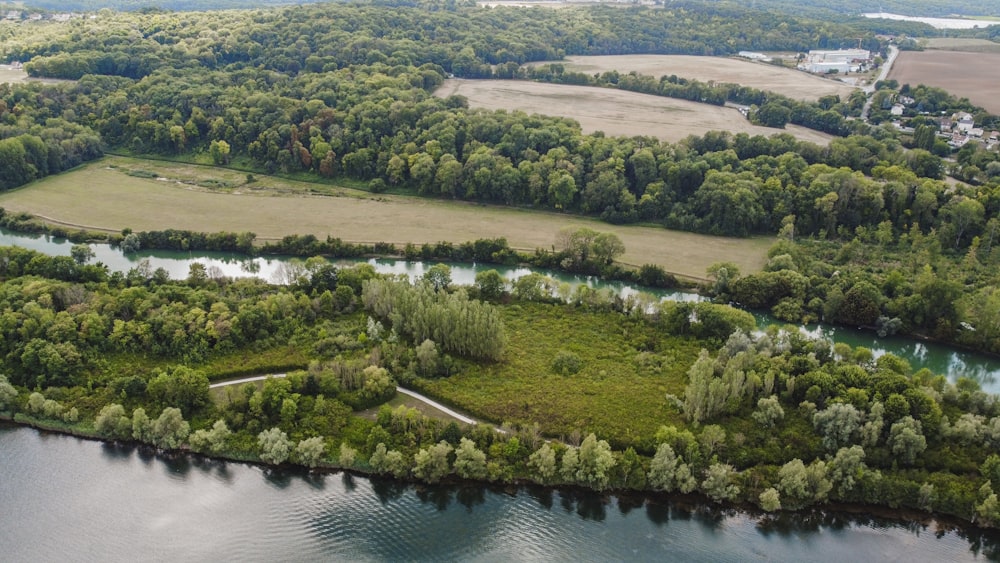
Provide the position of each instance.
(615, 112)
(962, 44)
(970, 75)
(11, 76)
(612, 394)
(792, 83)
(99, 196)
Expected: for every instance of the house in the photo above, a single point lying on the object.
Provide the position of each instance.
(964, 121)
(897, 109)
(946, 124)
(976, 132)
(958, 139)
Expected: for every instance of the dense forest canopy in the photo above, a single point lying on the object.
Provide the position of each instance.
(813, 8)
(869, 235)
(345, 91)
(147, 5)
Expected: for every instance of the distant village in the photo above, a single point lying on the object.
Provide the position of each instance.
(19, 15)
(957, 130)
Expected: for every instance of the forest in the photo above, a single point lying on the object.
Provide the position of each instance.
(870, 233)
(348, 96)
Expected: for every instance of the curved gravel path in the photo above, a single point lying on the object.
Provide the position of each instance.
(414, 394)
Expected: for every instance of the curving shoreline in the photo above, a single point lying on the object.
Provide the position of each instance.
(910, 516)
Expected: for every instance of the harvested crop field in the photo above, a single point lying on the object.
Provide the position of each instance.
(963, 44)
(100, 196)
(969, 75)
(615, 112)
(789, 82)
(9, 75)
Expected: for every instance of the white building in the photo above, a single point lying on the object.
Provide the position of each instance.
(964, 121)
(842, 60)
(754, 56)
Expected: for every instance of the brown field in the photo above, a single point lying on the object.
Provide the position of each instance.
(615, 112)
(969, 75)
(11, 76)
(789, 82)
(99, 196)
(962, 44)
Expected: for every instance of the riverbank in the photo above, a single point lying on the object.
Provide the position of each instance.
(596, 375)
(695, 502)
(173, 508)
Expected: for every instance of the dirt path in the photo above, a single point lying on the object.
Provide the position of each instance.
(414, 394)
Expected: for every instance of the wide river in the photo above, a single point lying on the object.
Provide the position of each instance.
(66, 499)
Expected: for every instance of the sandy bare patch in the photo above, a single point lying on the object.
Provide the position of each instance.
(615, 112)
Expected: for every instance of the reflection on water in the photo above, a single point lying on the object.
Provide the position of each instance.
(153, 508)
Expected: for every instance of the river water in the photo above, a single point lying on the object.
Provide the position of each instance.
(936, 357)
(62, 498)
(937, 23)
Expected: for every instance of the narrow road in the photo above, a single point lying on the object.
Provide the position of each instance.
(246, 380)
(414, 394)
(883, 73)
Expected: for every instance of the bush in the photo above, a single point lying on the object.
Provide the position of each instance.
(566, 363)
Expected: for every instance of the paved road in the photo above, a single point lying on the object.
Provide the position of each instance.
(414, 394)
(883, 73)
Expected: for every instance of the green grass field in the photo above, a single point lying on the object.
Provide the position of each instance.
(103, 195)
(620, 393)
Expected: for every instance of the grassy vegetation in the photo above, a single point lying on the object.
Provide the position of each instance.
(619, 393)
(102, 195)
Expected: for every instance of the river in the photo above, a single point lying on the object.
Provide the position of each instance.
(937, 23)
(936, 357)
(63, 498)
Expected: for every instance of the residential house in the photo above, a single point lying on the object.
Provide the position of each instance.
(964, 121)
